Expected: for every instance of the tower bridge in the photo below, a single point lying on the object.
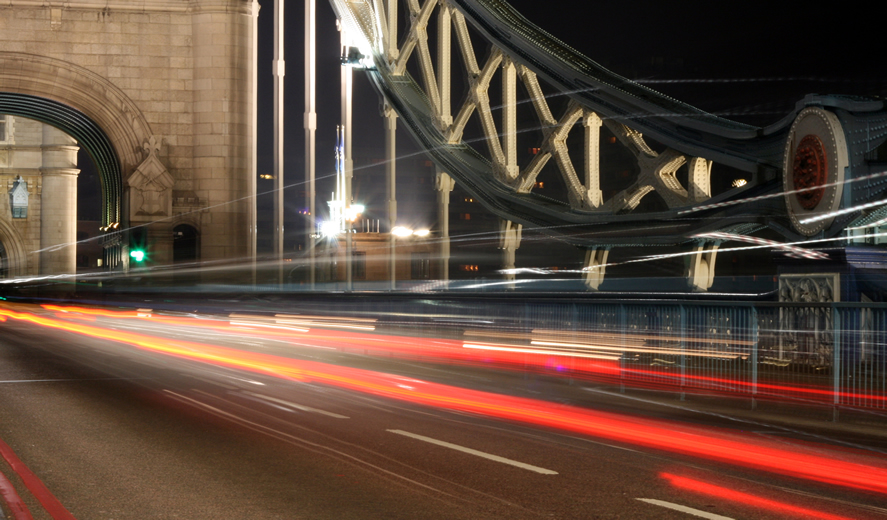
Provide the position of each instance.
(163, 96)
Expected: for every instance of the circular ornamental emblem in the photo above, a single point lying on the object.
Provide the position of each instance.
(810, 171)
(814, 161)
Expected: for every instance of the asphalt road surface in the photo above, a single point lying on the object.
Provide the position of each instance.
(115, 431)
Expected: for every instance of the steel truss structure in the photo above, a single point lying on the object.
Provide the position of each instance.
(803, 174)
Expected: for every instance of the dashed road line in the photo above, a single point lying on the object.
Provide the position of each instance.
(297, 406)
(477, 453)
(685, 509)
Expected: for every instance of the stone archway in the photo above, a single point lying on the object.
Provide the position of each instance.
(182, 73)
(84, 105)
(15, 258)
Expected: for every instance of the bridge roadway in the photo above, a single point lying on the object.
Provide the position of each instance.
(116, 431)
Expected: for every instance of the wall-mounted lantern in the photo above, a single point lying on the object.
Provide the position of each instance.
(18, 198)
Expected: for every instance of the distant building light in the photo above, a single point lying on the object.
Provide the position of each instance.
(539, 185)
(738, 183)
(400, 231)
(266, 176)
(535, 151)
(353, 211)
(421, 232)
(471, 268)
(464, 216)
(329, 228)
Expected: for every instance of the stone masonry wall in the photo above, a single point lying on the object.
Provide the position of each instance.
(187, 66)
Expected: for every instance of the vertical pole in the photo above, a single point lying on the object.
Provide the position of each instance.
(444, 185)
(623, 323)
(278, 69)
(754, 358)
(836, 361)
(310, 124)
(391, 185)
(683, 350)
(348, 161)
(254, 122)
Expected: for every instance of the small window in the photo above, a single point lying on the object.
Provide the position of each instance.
(539, 185)
(420, 267)
(464, 216)
(359, 265)
(3, 129)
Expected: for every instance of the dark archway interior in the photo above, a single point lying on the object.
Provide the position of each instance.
(4, 263)
(184, 245)
(87, 133)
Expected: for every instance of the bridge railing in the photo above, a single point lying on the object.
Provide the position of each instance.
(832, 354)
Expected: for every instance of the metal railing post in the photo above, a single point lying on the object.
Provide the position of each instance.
(622, 326)
(754, 358)
(683, 350)
(836, 361)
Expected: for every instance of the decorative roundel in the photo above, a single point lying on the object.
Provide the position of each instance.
(810, 171)
(813, 166)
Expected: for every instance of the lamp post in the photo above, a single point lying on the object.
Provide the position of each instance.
(348, 163)
(310, 123)
(278, 70)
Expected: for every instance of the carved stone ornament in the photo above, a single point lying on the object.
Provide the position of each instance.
(807, 333)
(151, 185)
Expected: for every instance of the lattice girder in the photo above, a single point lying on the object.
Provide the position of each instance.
(502, 146)
(518, 52)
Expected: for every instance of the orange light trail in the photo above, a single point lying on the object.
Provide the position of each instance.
(710, 444)
(506, 356)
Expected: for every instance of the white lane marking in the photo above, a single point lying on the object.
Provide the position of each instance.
(489, 456)
(685, 509)
(297, 406)
(64, 380)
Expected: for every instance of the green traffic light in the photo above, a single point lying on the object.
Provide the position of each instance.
(137, 254)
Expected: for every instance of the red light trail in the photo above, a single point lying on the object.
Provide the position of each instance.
(713, 445)
(747, 499)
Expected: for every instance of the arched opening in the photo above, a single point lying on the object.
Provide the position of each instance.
(86, 132)
(100, 158)
(4, 262)
(185, 243)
